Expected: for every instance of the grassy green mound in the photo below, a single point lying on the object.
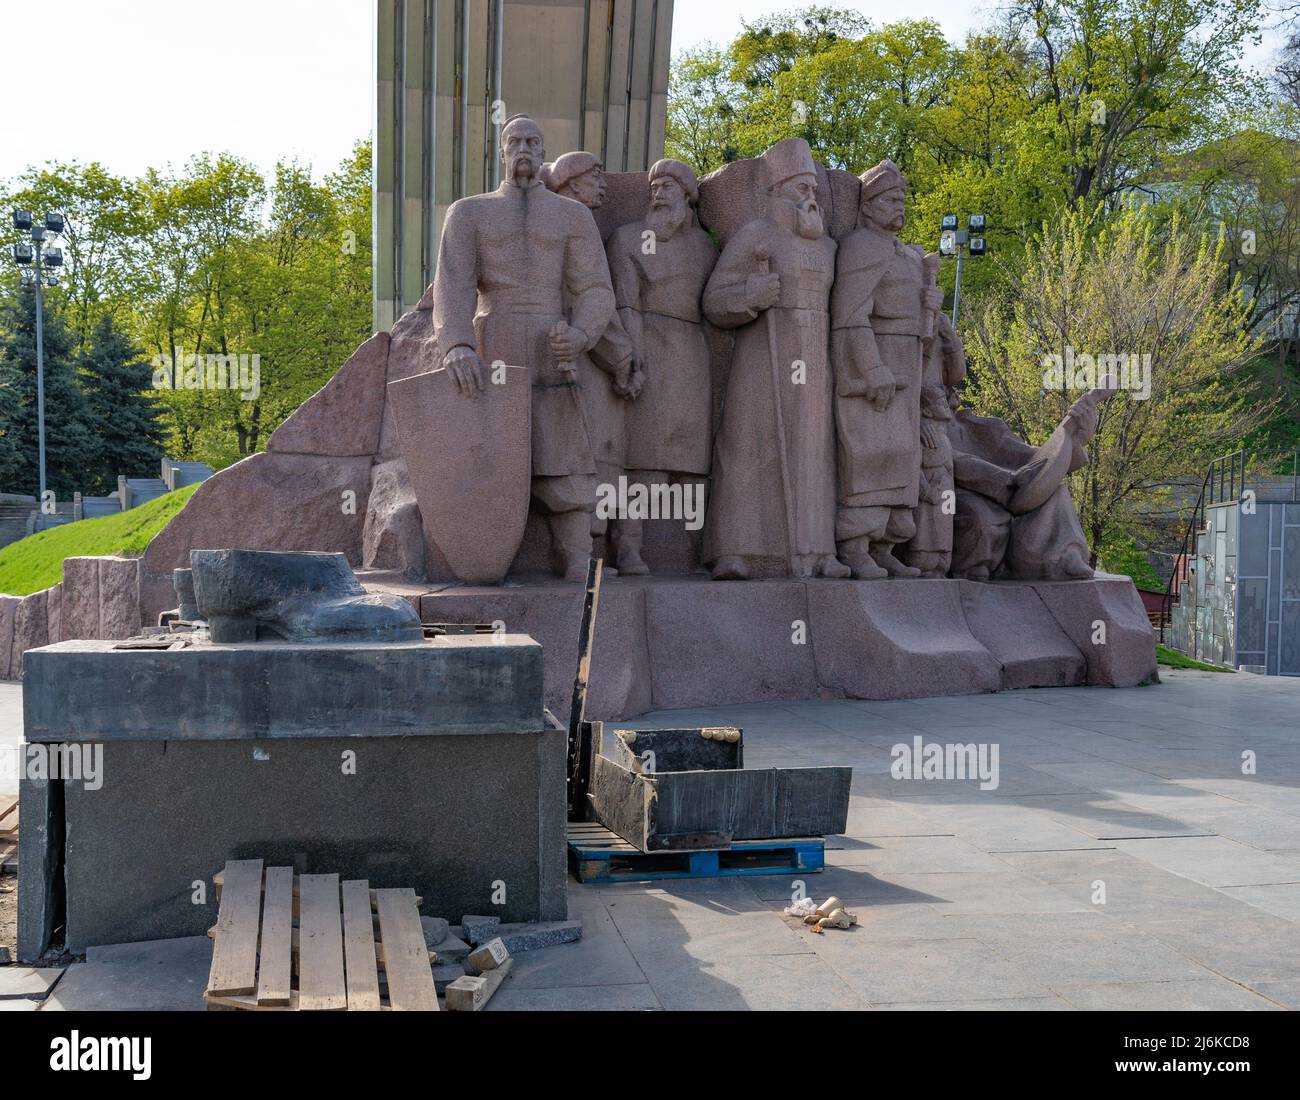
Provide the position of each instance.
(36, 562)
(1173, 659)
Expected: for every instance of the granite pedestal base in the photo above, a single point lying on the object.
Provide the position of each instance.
(427, 764)
(688, 641)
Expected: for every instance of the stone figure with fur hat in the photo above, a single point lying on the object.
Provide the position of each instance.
(772, 506)
(883, 312)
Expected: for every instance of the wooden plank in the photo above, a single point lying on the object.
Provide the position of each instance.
(321, 983)
(406, 959)
(234, 947)
(359, 947)
(217, 881)
(8, 805)
(274, 969)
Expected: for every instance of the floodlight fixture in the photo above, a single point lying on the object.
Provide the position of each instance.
(977, 246)
(976, 223)
(948, 242)
(55, 223)
(948, 221)
(54, 257)
(23, 220)
(23, 253)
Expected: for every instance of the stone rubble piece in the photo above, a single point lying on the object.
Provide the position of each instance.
(478, 930)
(531, 937)
(436, 930)
(452, 949)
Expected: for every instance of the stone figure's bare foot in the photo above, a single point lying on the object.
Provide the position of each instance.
(730, 569)
(891, 565)
(829, 566)
(868, 570)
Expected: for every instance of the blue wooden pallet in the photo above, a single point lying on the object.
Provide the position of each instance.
(598, 855)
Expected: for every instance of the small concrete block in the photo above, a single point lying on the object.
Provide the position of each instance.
(452, 949)
(24, 981)
(435, 930)
(5, 957)
(530, 937)
(472, 992)
(490, 956)
(467, 993)
(478, 930)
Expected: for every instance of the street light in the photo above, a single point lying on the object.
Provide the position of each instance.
(34, 257)
(957, 242)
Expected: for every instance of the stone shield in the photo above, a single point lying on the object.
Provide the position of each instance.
(470, 464)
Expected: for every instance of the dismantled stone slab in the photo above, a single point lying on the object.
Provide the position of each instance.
(531, 937)
(80, 613)
(478, 930)
(446, 973)
(453, 949)
(435, 930)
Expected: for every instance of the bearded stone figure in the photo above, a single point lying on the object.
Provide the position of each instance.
(659, 267)
(773, 496)
(883, 312)
(522, 280)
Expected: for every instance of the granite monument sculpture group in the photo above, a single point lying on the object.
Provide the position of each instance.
(841, 449)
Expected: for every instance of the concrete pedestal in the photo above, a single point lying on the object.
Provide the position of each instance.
(427, 765)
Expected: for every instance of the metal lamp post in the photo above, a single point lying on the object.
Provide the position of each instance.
(34, 258)
(957, 242)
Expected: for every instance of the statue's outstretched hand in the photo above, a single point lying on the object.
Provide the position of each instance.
(466, 370)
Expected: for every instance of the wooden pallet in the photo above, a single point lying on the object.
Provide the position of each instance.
(598, 855)
(8, 834)
(308, 942)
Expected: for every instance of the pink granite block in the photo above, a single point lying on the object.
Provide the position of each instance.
(80, 611)
(343, 418)
(713, 642)
(897, 639)
(1105, 618)
(31, 629)
(119, 598)
(1013, 624)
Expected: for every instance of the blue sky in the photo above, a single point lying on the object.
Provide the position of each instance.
(139, 83)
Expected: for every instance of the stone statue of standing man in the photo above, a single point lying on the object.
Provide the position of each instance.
(773, 499)
(883, 312)
(522, 280)
(659, 267)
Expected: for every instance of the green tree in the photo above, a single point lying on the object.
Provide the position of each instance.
(69, 441)
(1129, 285)
(122, 416)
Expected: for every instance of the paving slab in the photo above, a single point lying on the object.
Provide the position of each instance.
(1215, 861)
(25, 981)
(156, 974)
(1211, 994)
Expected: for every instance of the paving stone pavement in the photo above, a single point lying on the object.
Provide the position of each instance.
(1123, 861)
